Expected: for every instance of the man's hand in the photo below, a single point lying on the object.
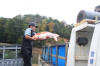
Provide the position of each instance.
(34, 38)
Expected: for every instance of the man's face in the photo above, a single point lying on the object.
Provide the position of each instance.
(33, 28)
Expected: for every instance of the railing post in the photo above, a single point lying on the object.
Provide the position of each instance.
(3, 55)
(51, 55)
(56, 55)
(3, 52)
(16, 51)
(66, 52)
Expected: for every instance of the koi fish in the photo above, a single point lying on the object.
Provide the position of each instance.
(45, 35)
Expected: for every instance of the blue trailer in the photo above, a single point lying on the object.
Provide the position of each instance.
(54, 55)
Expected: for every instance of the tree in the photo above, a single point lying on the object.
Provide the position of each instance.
(62, 30)
(51, 26)
(14, 29)
(43, 25)
(19, 28)
(3, 34)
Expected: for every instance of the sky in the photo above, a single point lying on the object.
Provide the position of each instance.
(63, 10)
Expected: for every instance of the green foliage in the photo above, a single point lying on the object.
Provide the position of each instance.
(51, 26)
(39, 43)
(62, 30)
(10, 54)
(3, 34)
(12, 29)
(43, 25)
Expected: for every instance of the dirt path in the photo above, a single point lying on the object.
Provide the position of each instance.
(36, 50)
(34, 64)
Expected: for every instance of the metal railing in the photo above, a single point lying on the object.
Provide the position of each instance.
(10, 55)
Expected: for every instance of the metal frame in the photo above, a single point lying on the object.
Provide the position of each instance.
(11, 62)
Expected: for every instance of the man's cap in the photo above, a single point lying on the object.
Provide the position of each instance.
(33, 24)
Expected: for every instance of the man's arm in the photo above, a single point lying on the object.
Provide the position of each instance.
(30, 38)
(27, 34)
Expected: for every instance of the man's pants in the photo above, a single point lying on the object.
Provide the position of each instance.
(26, 55)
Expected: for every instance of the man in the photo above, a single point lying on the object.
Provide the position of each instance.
(27, 46)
